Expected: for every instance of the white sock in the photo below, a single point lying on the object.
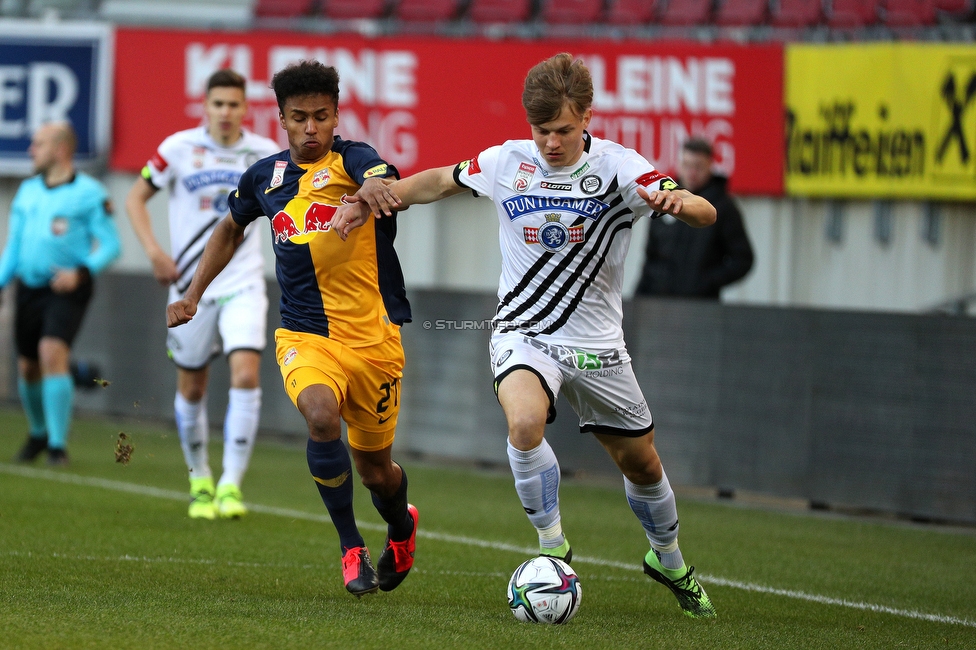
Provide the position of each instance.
(655, 508)
(537, 482)
(194, 430)
(240, 430)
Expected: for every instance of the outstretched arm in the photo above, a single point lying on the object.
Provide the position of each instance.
(427, 186)
(424, 187)
(681, 204)
(224, 241)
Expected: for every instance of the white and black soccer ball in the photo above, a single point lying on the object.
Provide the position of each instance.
(544, 590)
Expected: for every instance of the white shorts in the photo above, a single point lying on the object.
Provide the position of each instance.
(599, 384)
(239, 319)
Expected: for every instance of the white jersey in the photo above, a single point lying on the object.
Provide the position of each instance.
(199, 174)
(564, 236)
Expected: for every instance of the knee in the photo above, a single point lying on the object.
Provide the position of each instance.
(244, 379)
(193, 394)
(373, 480)
(319, 407)
(192, 384)
(645, 470)
(377, 478)
(30, 369)
(526, 429)
(323, 423)
(245, 369)
(54, 356)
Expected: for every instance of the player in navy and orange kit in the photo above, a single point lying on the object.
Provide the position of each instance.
(338, 347)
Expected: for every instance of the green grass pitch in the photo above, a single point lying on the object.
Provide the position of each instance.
(102, 555)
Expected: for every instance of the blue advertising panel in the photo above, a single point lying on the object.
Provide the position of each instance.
(54, 72)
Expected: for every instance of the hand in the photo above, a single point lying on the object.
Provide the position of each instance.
(666, 201)
(381, 199)
(65, 280)
(350, 216)
(180, 312)
(164, 268)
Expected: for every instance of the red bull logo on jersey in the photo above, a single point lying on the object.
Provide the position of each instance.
(321, 178)
(301, 220)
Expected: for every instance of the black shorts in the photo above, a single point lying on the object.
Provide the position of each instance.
(41, 312)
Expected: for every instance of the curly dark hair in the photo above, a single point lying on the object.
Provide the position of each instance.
(305, 78)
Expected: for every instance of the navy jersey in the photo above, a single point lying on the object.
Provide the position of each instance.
(351, 290)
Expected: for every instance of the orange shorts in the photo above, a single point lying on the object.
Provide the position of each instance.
(366, 381)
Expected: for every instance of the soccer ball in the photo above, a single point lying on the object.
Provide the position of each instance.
(544, 590)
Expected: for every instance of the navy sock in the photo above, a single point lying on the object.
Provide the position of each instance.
(332, 470)
(394, 511)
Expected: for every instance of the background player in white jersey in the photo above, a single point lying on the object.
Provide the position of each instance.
(566, 202)
(200, 167)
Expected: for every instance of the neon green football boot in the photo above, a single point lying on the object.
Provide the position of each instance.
(202, 499)
(562, 552)
(230, 502)
(682, 583)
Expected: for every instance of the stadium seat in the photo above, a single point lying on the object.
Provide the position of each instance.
(631, 12)
(734, 13)
(909, 13)
(282, 8)
(955, 8)
(426, 10)
(572, 12)
(852, 13)
(686, 12)
(500, 11)
(797, 13)
(352, 9)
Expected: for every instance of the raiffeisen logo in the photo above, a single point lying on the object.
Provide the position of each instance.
(300, 220)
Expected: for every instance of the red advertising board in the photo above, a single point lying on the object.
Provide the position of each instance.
(436, 101)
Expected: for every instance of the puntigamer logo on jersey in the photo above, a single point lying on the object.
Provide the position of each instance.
(229, 177)
(300, 220)
(520, 206)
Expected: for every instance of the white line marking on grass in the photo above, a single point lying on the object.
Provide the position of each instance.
(132, 488)
(211, 562)
(826, 600)
(157, 560)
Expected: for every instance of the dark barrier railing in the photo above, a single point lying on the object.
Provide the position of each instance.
(867, 410)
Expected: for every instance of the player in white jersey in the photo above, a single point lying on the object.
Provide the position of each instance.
(200, 167)
(566, 203)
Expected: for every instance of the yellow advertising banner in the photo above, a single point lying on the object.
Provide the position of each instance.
(892, 120)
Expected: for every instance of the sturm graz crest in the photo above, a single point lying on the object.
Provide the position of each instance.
(591, 184)
(219, 203)
(553, 235)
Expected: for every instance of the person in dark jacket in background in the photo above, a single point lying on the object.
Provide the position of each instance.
(697, 262)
